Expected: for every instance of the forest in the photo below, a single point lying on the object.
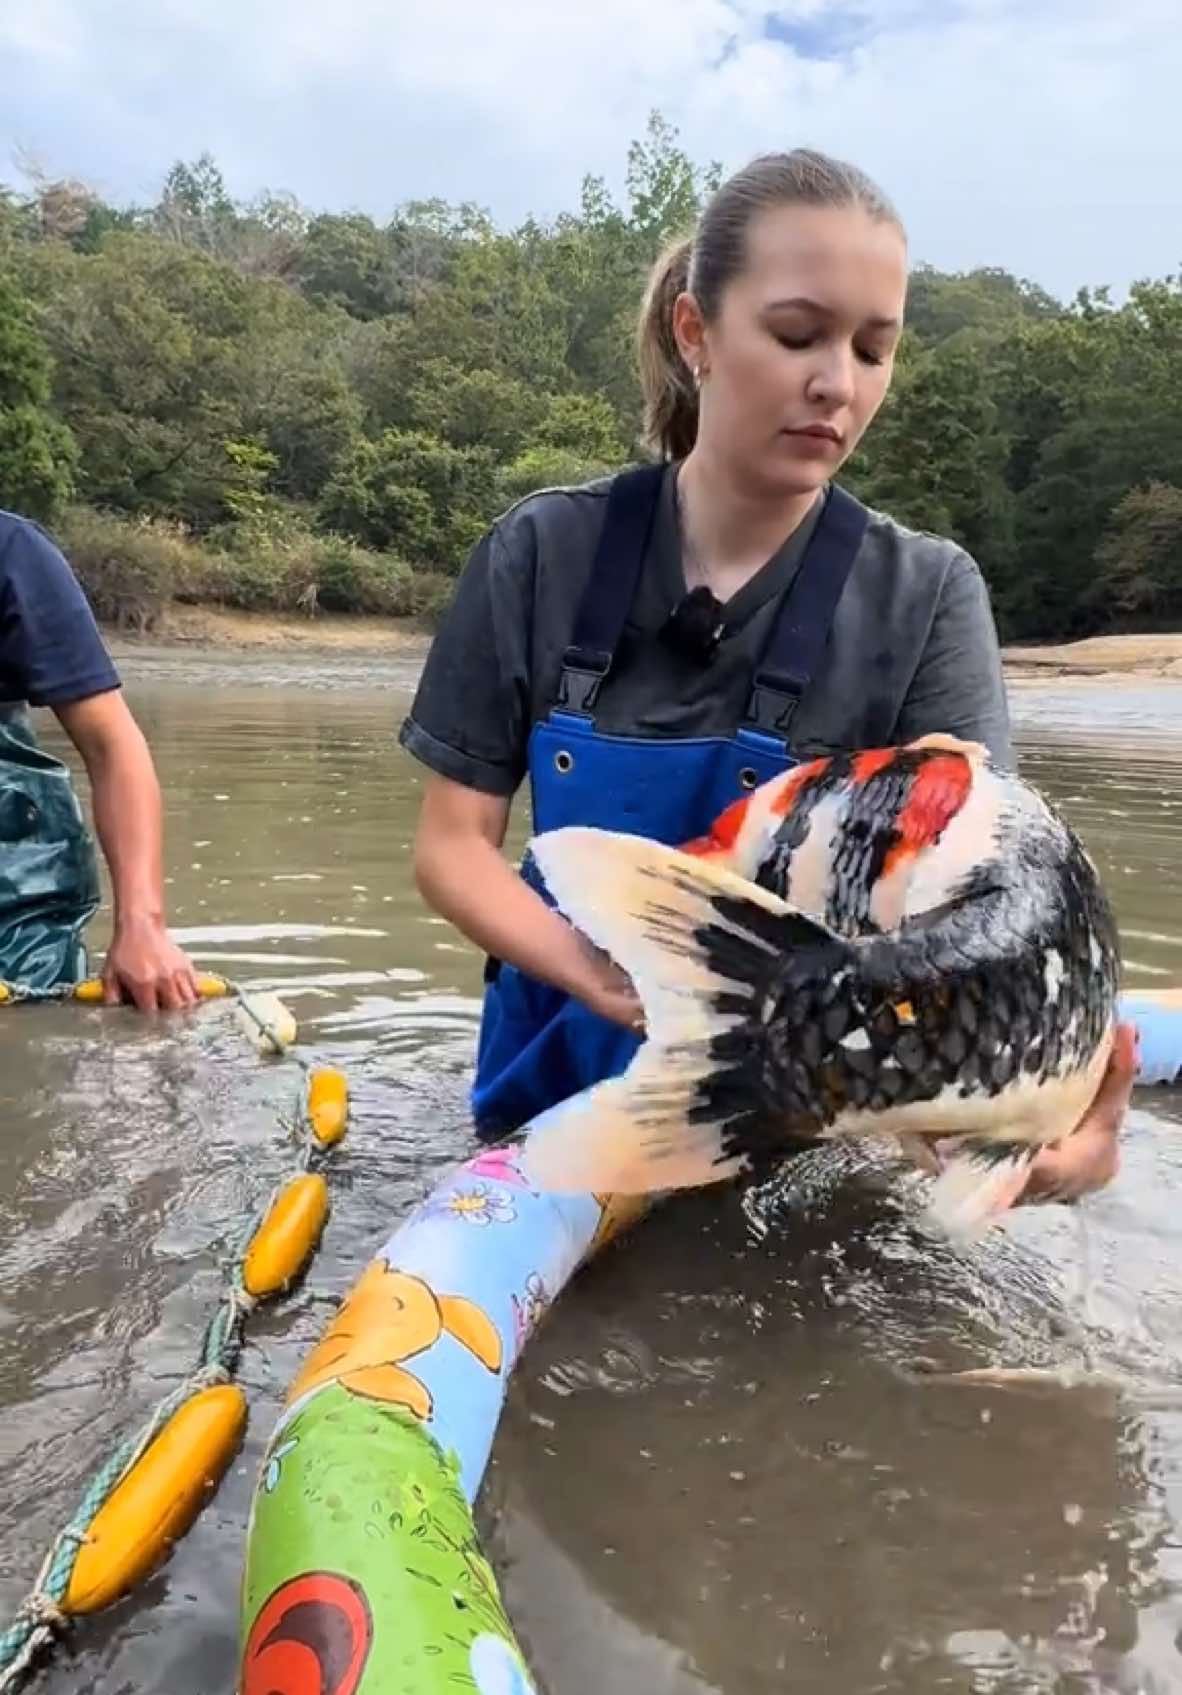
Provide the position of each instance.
(256, 405)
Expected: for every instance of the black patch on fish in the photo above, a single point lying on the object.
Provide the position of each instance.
(776, 868)
(869, 832)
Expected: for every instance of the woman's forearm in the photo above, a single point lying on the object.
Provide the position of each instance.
(462, 873)
(471, 884)
(128, 809)
(143, 964)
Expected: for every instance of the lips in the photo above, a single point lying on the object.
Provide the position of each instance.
(818, 432)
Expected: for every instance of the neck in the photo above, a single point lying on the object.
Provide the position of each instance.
(735, 529)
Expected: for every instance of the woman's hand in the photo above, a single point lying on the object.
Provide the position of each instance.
(462, 874)
(608, 990)
(145, 966)
(1090, 1157)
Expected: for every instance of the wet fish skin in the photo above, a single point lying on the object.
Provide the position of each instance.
(902, 941)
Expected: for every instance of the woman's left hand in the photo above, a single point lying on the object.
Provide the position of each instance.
(1089, 1158)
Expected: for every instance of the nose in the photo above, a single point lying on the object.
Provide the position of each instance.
(831, 382)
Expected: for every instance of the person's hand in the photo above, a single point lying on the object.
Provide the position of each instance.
(607, 990)
(1089, 1158)
(146, 967)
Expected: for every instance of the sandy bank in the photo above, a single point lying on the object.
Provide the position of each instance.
(214, 628)
(1099, 658)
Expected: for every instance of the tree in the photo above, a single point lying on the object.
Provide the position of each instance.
(935, 458)
(37, 452)
(498, 312)
(148, 339)
(414, 495)
(942, 303)
(1139, 557)
(474, 408)
(346, 261)
(665, 188)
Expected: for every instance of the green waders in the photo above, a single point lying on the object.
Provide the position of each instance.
(49, 878)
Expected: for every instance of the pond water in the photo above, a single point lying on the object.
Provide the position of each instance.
(716, 1470)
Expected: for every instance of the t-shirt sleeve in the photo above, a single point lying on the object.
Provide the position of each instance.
(470, 719)
(958, 687)
(51, 651)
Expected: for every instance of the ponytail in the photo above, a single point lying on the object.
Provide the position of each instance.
(670, 398)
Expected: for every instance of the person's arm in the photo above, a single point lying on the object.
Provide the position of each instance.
(470, 726)
(142, 963)
(462, 874)
(51, 644)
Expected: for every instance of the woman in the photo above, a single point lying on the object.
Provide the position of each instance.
(52, 655)
(646, 648)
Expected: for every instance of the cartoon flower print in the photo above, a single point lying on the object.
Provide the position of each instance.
(476, 1203)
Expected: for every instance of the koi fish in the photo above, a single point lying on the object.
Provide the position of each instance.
(903, 942)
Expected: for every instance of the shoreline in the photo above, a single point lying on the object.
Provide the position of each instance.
(213, 629)
(1103, 660)
(1097, 659)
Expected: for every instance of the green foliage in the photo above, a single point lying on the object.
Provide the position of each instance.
(251, 467)
(279, 408)
(664, 186)
(1139, 559)
(410, 492)
(131, 568)
(474, 408)
(935, 457)
(940, 305)
(37, 451)
(295, 570)
(546, 467)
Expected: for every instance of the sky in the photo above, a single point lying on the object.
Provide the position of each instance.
(1032, 134)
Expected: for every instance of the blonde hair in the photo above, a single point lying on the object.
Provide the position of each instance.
(705, 262)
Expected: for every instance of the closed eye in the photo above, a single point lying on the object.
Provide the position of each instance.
(798, 344)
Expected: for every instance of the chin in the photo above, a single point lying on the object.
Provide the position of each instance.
(798, 475)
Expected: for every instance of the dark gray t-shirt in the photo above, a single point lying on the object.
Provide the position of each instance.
(913, 647)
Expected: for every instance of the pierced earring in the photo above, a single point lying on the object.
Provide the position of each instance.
(697, 376)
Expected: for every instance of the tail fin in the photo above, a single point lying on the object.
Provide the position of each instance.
(982, 1181)
(701, 945)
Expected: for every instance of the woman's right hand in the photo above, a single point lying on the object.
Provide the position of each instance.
(608, 990)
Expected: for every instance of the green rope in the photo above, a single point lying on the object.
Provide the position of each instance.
(39, 1616)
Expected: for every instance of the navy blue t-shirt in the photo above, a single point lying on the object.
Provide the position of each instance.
(51, 652)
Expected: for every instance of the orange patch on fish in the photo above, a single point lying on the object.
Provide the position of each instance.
(723, 834)
(794, 782)
(869, 764)
(940, 789)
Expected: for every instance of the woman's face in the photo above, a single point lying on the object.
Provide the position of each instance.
(800, 356)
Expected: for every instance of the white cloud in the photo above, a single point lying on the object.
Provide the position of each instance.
(1030, 133)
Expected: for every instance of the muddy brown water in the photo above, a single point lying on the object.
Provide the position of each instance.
(716, 1470)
